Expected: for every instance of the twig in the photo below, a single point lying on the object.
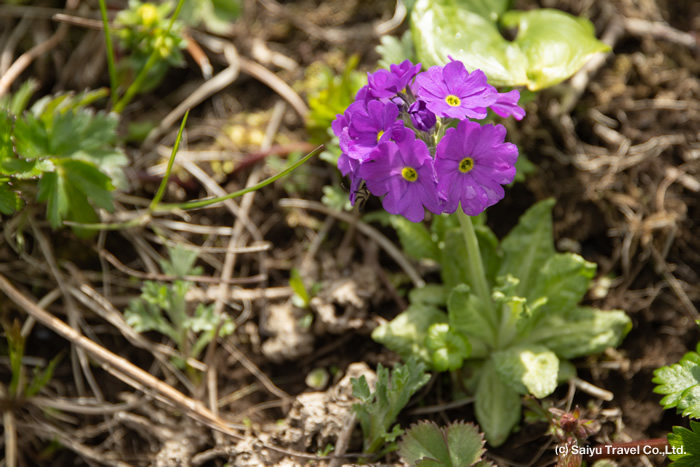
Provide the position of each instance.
(659, 30)
(264, 75)
(592, 390)
(366, 229)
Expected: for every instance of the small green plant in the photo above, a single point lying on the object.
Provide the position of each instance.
(163, 308)
(516, 336)
(680, 384)
(458, 444)
(144, 30)
(20, 386)
(378, 410)
(60, 152)
(215, 15)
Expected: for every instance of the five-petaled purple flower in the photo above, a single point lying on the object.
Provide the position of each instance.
(451, 91)
(472, 162)
(403, 171)
(388, 137)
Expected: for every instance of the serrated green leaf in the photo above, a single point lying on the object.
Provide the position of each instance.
(89, 181)
(360, 388)
(680, 383)
(581, 331)
(687, 442)
(468, 315)
(497, 406)
(51, 190)
(550, 46)
(379, 411)
(415, 239)
(181, 262)
(393, 50)
(406, 333)
(465, 442)
(532, 369)
(563, 281)
(459, 444)
(10, 202)
(16, 103)
(528, 246)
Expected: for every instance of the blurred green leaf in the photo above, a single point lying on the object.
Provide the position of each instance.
(458, 444)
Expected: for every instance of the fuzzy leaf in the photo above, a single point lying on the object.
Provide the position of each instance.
(563, 280)
(430, 294)
(550, 46)
(497, 406)
(378, 412)
(467, 315)
(582, 331)
(415, 239)
(448, 348)
(528, 246)
(406, 333)
(393, 50)
(532, 369)
(686, 441)
(458, 444)
(455, 269)
(680, 383)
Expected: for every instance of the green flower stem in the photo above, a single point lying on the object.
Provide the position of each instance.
(476, 264)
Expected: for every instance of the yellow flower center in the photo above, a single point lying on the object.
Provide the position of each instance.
(453, 100)
(466, 165)
(379, 135)
(410, 174)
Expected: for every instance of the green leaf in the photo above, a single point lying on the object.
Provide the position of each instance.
(532, 369)
(88, 180)
(297, 285)
(378, 412)
(550, 46)
(582, 331)
(42, 377)
(458, 444)
(528, 246)
(453, 258)
(448, 348)
(430, 294)
(497, 406)
(406, 333)
(19, 100)
(181, 262)
(687, 442)
(52, 190)
(556, 44)
(468, 315)
(680, 383)
(415, 239)
(10, 202)
(393, 50)
(563, 281)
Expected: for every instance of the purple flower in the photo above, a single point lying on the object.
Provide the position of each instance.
(422, 118)
(403, 171)
(350, 167)
(507, 105)
(385, 83)
(472, 162)
(451, 91)
(369, 125)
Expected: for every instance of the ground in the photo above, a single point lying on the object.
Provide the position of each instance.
(618, 147)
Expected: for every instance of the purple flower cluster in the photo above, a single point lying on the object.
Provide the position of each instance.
(409, 138)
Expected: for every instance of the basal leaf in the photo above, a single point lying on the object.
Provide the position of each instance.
(406, 333)
(550, 45)
(468, 315)
(563, 280)
(555, 44)
(528, 246)
(415, 239)
(454, 259)
(497, 406)
(465, 442)
(393, 50)
(430, 294)
(581, 331)
(686, 441)
(31, 137)
(532, 369)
